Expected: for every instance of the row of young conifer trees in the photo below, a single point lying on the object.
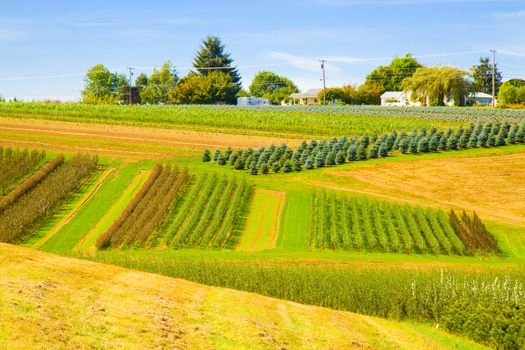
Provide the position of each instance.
(318, 154)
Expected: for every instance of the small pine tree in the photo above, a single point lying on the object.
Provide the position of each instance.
(319, 160)
(297, 166)
(351, 154)
(234, 157)
(340, 157)
(365, 141)
(287, 166)
(452, 142)
(361, 153)
(206, 156)
(500, 139)
(276, 167)
(216, 155)
(239, 164)
(383, 149)
(221, 160)
(391, 140)
(433, 144)
(253, 168)
(443, 142)
(309, 164)
(373, 152)
(463, 140)
(403, 145)
(412, 146)
(264, 168)
(330, 158)
(423, 145)
(491, 142)
(228, 153)
(512, 135)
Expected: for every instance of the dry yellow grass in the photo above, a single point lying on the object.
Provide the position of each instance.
(493, 186)
(121, 141)
(51, 302)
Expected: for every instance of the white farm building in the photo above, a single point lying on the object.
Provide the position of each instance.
(252, 101)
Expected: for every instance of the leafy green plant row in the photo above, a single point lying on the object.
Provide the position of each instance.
(39, 196)
(137, 225)
(212, 214)
(354, 223)
(318, 154)
(15, 164)
(484, 305)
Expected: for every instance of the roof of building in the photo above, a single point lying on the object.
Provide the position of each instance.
(479, 95)
(307, 94)
(397, 95)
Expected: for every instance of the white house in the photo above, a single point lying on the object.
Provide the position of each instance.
(397, 99)
(309, 97)
(479, 98)
(252, 101)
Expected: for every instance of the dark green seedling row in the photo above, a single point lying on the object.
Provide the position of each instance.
(319, 154)
(211, 215)
(360, 224)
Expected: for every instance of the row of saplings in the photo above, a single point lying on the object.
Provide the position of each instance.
(318, 154)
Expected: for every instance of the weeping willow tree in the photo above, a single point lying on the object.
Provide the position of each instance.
(438, 84)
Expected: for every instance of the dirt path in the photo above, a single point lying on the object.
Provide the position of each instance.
(119, 138)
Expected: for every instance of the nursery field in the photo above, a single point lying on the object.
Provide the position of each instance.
(407, 216)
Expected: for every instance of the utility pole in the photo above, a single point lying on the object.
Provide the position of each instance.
(324, 80)
(493, 77)
(130, 78)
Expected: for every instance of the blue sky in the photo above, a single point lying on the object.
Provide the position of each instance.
(46, 46)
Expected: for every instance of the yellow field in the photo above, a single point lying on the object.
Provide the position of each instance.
(493, 186)
(53, 302)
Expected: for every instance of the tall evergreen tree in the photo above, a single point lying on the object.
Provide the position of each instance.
(213, 57)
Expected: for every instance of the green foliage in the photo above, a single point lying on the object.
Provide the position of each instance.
(482, 74)
(510, 94)
(212, 58)
(272, 86)
(382, 226)
(391, 77)
(159, 85)
(103, 87)
(216, 87)
(438, 84)
(206, 156)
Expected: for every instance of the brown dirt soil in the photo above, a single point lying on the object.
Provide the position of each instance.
(51, 302)
(118, 140)
(493, 186)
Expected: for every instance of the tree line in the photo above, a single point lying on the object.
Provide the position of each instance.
(215, 79)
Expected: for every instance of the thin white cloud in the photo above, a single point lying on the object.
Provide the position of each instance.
(301, 62)
(513, 15)
(11, 35)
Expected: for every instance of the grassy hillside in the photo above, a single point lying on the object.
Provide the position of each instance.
(49, 301)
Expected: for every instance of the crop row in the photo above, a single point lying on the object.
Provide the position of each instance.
(486, 305)
(212, 214)
(41, 195)
(15, 164)
(318, 154)
(303, 121)
(353, 223)
(147, 211)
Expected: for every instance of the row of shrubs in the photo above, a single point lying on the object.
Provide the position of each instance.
(318, 154)
(21, 217)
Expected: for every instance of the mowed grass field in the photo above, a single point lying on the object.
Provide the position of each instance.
(53, 302)
(272, 224)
